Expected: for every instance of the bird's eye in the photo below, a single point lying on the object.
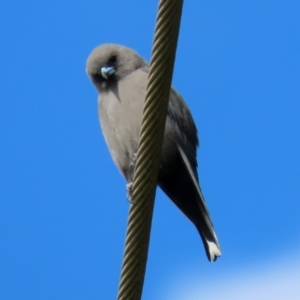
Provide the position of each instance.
(112, 59)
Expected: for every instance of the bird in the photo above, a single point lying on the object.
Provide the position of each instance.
(120, 76)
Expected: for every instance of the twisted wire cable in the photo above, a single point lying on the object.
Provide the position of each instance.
(149, 150)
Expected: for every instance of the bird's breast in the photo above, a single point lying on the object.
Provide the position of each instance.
(120, 111)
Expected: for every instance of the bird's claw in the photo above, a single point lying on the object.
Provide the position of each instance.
(129, 194)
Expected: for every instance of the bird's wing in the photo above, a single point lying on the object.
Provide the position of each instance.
(181, 119)
(181, 184)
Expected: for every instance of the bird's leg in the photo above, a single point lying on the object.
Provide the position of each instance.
(131, 171)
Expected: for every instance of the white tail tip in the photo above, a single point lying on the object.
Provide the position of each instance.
(214, 251)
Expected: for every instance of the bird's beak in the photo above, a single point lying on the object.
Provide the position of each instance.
(106, 72)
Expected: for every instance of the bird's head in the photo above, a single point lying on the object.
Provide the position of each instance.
(109, 63)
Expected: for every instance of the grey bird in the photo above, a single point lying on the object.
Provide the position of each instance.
(120, 76)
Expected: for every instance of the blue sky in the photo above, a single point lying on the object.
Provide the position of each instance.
(63, 207)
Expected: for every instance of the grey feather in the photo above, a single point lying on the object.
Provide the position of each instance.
(120, 75)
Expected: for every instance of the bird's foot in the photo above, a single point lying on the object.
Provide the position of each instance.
(129, 189)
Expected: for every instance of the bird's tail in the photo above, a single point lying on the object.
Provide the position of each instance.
(204, 224)
(209, 238)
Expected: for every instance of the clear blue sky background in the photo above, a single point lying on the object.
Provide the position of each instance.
(63, 207)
